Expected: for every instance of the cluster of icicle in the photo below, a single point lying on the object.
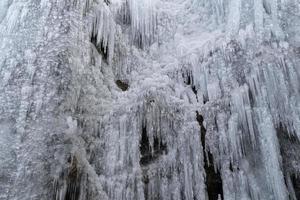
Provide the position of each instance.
(262, 93)
(114, 172)
(141, 17)
(243, 94)
(243, 103)
(103, 28)
(174, 157)
(177, 169)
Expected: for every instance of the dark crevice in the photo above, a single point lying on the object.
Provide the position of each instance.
(72, 177)
(251, 98)
(213, 179)
(230, 167)
(144, 147)
(146, 183)
(188, 81)
(107, 2)
(73, 181)
(195, 92)
(124, 18)
(203, 130)
(290, 153)
(147, 154)
(138, 41)
(101, 48)
(122, 85)
(296, 184)
(205, 99)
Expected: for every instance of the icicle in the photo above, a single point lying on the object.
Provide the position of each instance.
(4, 5)
(219, 10)
(231, 140)
(275, 22)
(241, 105)
(233, 22)
(271, 155)
(258, 18)
(12, 17)
(103, 30)
(143, 20)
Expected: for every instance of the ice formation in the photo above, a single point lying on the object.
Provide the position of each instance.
(148, 100)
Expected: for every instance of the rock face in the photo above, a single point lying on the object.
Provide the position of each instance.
(149, 99)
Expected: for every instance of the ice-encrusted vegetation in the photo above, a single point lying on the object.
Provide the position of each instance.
(143, 99)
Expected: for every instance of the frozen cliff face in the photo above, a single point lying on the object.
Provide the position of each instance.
(143, 99)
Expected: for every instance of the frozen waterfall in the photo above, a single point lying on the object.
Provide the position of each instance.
(149, 99)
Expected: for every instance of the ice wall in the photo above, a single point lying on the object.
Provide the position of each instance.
(165, 99)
